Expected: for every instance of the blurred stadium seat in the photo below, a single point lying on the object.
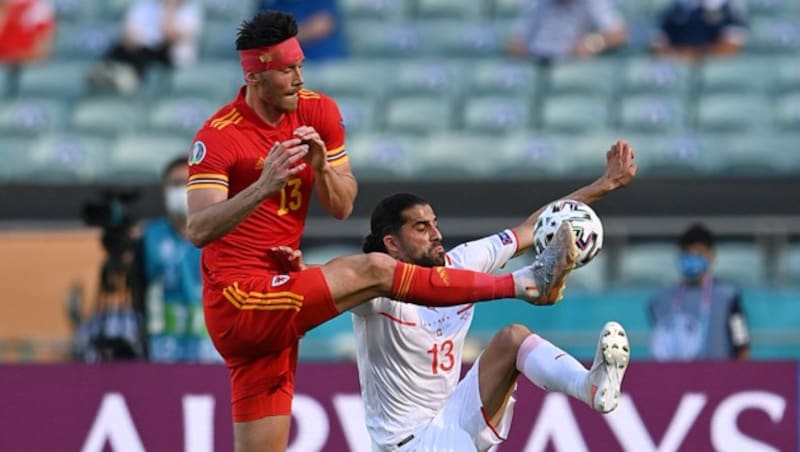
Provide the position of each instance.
(646, 75)
(32, 116)
(649, 265)
(448, 8)
(787, 111)
(742, 74)
(352, 77)
(69, 157)
(675, 155)
(419, 114)
(378, 39)
(460, 39)
(655, 114)
(358, 113)
(107, 116)
(595, 76)
(501, 76)
(180, 116)
(84, 41)
(216, 80)
(140, 157)
(532, 155)
(740, 264)
(496, 114)
(58, 79)
(506, 9)
(218, 40)
(382, 156)
(733, 112)
(432, 77)
(375, 9)
(457, 155)
(575, 114)
(774, 35)
(790, 267)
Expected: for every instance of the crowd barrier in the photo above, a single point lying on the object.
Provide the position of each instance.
(141, 407)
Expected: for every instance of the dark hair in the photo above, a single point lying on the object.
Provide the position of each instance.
(387, 218)
(174, 163)
(697, 233)
(265, 29)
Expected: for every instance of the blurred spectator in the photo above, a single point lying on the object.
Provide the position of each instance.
(319, 26)
(169, 267)
(693, 29)
(700, 318)
(164, 32)
(27, 28)
(563, 29)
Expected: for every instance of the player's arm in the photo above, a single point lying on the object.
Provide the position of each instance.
(212, 214)
(334, 182)
(620, 170)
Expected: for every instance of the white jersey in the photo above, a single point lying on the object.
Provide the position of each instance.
(409, 356)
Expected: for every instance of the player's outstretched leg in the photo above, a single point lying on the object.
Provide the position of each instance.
(610, 362)
(544, 281)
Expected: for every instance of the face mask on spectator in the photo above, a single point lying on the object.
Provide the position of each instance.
(692, 266)
(175, 200)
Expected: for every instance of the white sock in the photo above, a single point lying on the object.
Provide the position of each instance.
(551, 368)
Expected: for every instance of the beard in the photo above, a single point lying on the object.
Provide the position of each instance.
(430, 259)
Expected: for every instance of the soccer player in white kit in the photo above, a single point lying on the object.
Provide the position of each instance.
(409, 357)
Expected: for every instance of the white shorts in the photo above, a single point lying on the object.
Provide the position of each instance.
(460, 425)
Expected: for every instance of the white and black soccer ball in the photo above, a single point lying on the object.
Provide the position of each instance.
(585, 224)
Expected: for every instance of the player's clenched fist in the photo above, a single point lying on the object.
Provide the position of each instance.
(281, 164)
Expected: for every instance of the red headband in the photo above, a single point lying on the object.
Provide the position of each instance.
(282, 54)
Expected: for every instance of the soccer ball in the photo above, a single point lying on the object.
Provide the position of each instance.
(585, 224)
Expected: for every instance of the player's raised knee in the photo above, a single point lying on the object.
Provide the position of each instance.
(512, 336)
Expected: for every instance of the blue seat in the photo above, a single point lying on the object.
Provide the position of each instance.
(358, 113)
(59, 79)
(575, 113)
(595, 76)
(108, 116)
(218, 40)
(787, 112)
(468, 39)
(730, 112)
(347, 77)
(431, 77)
(375, 9)
(650, 113)
(77, 158)
(743, 74)
(502, 76)
(381, 156)
(84, 41)
(15, 154)
(448, 8)
(180, 116)
(786, 77)
(681, 154)
(790, 265)
(774, 35)
(497, 114)
(210, 79)
(506, 9)
(740, 263)
(649, 265)
(645, 75)
(32, 116)
(140, 156)
(74, 10)
(751, 153)
(447, 155)
(419, 114)
(532, 155)
(379, 39)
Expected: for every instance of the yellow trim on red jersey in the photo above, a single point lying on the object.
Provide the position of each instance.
(232, 117)
(234, 295)
(251, 293)
(308, 94)
(335, 151)
(208, 176)
(339, 161)
(199, 186)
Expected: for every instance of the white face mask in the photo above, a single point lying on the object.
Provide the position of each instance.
(175, 200)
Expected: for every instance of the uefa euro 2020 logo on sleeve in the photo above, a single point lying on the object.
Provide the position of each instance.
(198, 153)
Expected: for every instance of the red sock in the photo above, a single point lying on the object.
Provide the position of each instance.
(440, 286)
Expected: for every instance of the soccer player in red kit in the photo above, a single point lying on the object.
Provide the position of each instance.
(253, 166)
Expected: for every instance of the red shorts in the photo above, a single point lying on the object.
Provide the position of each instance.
(256, 323)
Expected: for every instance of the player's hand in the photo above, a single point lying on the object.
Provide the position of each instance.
(317, 151)
(620, 167)
(282, 163)
(289, 259)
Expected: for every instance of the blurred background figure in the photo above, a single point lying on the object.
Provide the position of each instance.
(320, 26)
(699, 318)
(155, 32)
(168, 268)
(694, 29)
(565, 29)
(27, 28)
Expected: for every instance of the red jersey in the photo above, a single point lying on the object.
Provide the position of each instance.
(228, 154)
(24, 24)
